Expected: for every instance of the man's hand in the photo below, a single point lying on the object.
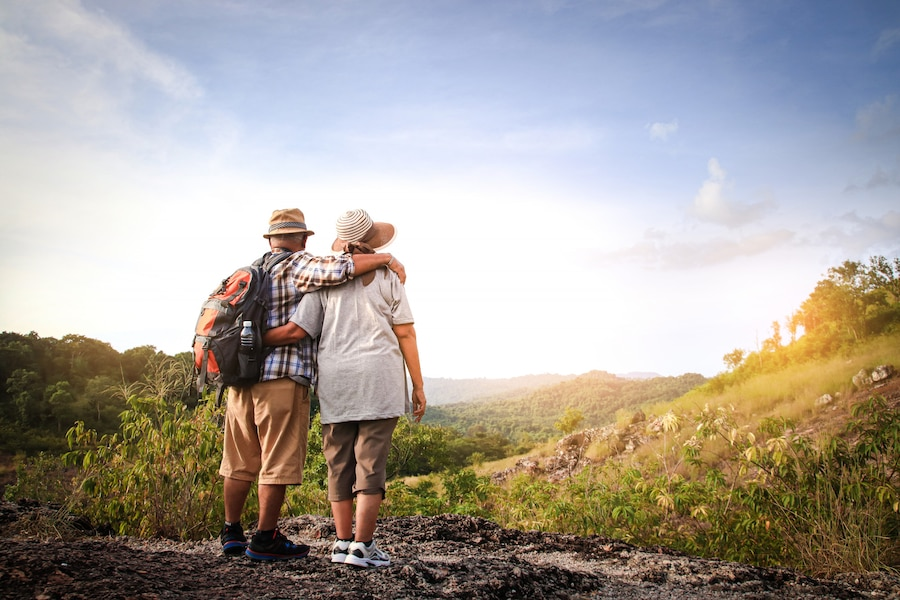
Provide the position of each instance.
(418, 402)
(397, 267)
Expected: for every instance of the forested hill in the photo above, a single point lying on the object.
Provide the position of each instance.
(596, 396)
(450, 391)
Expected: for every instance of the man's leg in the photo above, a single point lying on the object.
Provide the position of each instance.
(282, 422)
(239, 457)
(271, 497)
(235, 493)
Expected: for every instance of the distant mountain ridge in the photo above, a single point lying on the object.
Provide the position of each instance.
(596, 396)
(442, 390)
(638, 375)
(452, 391)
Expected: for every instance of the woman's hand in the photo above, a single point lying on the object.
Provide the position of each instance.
(418, 402)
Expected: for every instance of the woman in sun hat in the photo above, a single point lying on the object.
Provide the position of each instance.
(366, 334)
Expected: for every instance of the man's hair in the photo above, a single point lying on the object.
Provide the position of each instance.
(289, 238)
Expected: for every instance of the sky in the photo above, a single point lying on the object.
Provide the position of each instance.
(577, 185)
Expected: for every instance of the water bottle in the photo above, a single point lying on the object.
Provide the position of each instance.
(247, 335)
(247, 367)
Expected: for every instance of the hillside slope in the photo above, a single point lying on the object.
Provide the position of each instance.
(572, 451)
(597, 395)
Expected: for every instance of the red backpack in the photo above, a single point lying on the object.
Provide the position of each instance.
(219, 359)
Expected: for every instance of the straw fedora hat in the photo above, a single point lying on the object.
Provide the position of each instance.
(358, 226)
(287, 220)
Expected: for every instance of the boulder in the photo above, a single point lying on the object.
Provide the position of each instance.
(824, 399)
(882, 372)
(862, 379)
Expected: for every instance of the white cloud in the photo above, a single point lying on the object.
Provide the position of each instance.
(886, 40)
(81, 69)
(711, 204)
(607, 10)
(547, 140)
(658, 251)
(662, 131)
(858, 235)
(880, 178)
(879, 120)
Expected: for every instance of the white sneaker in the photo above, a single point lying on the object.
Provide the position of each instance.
(362, 555)
(339, 551)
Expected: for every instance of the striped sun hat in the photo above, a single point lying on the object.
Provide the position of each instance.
(358, 226)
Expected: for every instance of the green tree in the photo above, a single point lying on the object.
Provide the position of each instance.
(734, 359)
(418, 449)
(15, 353)
(884, 274)
(829, 312)
(61, 400)
(24, 388)
(135, 362)
(570, 421)
(100, 396)
(78, 358)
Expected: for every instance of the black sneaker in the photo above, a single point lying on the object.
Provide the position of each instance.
(233, 540)
(274, 546)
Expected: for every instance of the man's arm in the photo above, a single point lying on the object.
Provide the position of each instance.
(406, 335)
(363, 263)
(289, 333)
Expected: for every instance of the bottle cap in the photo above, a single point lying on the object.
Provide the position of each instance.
(248, 323)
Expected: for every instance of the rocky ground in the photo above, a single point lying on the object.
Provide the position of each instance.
(448, 556)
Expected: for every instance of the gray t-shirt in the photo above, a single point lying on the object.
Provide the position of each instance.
(361, 374)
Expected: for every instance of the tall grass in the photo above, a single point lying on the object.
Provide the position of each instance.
(790, 391)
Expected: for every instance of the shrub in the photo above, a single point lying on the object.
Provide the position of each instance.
(158, 476)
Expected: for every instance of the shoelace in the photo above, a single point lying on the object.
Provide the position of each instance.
(280, 537)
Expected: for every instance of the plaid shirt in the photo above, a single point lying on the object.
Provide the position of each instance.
(291, 278)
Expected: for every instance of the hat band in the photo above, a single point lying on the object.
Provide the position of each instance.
(294, 224)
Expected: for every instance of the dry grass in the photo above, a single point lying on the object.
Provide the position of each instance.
(541, 451)
(792, 391)
(46, 523)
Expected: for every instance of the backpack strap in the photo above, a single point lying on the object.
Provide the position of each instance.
(270, 259)
(220, 393)
(201, 377)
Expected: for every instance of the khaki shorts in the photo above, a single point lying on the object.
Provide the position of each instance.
(357, 453)
(266, 430)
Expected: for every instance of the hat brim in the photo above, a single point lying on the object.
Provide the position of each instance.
(288, 230)
(380, 237)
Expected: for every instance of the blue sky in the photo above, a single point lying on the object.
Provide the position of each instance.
(619, 185)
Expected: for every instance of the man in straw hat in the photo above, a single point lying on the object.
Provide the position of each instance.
(266, 425)
(366, 333)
